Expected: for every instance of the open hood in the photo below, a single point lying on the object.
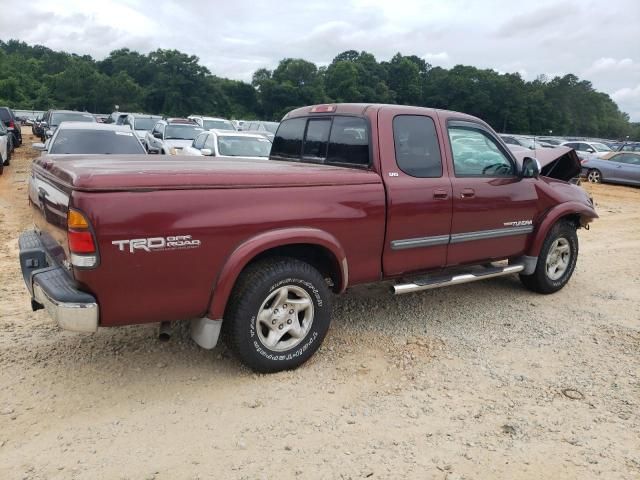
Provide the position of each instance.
(560, 162)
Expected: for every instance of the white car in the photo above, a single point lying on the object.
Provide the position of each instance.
(227, 144)
(75, 138)
(5, 147)
(595, 148)
(141, 123)
(171, 136)
(213, 123)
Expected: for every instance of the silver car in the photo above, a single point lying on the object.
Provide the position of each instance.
(615, 167)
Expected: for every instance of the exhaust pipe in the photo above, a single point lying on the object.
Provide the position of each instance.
(165, 332)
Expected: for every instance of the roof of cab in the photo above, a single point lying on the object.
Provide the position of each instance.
(362, 108)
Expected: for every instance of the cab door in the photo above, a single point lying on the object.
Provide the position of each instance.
(419, 201)
(494, 210)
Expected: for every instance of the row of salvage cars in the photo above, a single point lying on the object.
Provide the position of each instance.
(133, 133)
(69, 133)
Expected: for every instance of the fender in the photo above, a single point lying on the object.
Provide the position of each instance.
(586, 213)
(248, 250)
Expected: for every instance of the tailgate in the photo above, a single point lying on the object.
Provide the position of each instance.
(49, 205)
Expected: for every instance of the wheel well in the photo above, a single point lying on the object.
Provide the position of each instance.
(573, 218)
(317, 256)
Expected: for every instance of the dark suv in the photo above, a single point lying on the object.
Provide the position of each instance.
(11, 122)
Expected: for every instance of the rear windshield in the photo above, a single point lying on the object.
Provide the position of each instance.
(145, 123)
(333, 140)
(58, 118)
(182, 132)
(5, 115)
(218, 125)
(95, 142)
(243, 146)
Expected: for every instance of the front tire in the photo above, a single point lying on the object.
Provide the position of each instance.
(278, 314)
(557, 260)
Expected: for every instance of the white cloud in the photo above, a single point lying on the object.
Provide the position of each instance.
(594, 39)
(608, 64)
(629, 100)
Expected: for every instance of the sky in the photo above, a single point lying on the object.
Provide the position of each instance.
(596, 40)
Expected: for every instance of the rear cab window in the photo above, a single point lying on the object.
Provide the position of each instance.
(336, 140)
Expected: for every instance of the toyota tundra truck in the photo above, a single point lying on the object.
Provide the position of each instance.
(351, 194)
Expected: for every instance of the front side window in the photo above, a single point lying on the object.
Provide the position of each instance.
(475, 153)
(416, 145)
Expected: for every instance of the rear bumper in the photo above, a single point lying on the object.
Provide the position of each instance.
(53, 289)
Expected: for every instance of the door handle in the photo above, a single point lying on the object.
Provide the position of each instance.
(440, 194)
(467, 193)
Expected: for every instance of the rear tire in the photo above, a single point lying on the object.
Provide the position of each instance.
(278, 314)
(594, 176)
(557, 260)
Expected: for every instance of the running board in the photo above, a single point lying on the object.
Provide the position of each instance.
(428, 283)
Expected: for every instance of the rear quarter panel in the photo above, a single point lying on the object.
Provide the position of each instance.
(170, 285)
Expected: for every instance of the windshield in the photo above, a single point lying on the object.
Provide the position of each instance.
(218, 125)
(95, 142)
(182, 132)
(601, 147)
(145, 123)
(58, 118)
(243, 146)
(272, 127)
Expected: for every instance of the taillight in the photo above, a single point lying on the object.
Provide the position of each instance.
(81, 244)
(11, 124)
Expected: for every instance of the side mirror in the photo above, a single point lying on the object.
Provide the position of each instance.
(530, 168)
(206, 152)
(40, 147)
(591, 150)
(48, 133)
(158, 135)
(43, 123)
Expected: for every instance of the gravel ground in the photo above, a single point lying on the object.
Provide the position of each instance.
(478, 381)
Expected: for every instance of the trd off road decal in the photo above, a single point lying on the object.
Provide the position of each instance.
(157, 244)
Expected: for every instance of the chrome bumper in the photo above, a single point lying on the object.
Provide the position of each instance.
(77, 317)
(53, 289)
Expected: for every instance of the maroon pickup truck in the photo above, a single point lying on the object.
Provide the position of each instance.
(351, 194)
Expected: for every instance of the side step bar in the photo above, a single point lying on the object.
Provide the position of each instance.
(428, 283)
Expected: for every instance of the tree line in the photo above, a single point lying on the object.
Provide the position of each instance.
(176, 84)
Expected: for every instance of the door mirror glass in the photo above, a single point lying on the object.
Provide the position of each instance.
(530, 168)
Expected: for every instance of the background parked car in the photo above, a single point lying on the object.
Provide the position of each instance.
(141, 124)
(213, 123)
(614, 167)
(170, 136)
(227, 144)
(596, 148)
(629, 147)
(92, 138)
(53, 118)
(268, 129)
(527, 142)
(13, 125)
(5, 146)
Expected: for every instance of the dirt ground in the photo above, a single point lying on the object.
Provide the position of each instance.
(478, 381)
